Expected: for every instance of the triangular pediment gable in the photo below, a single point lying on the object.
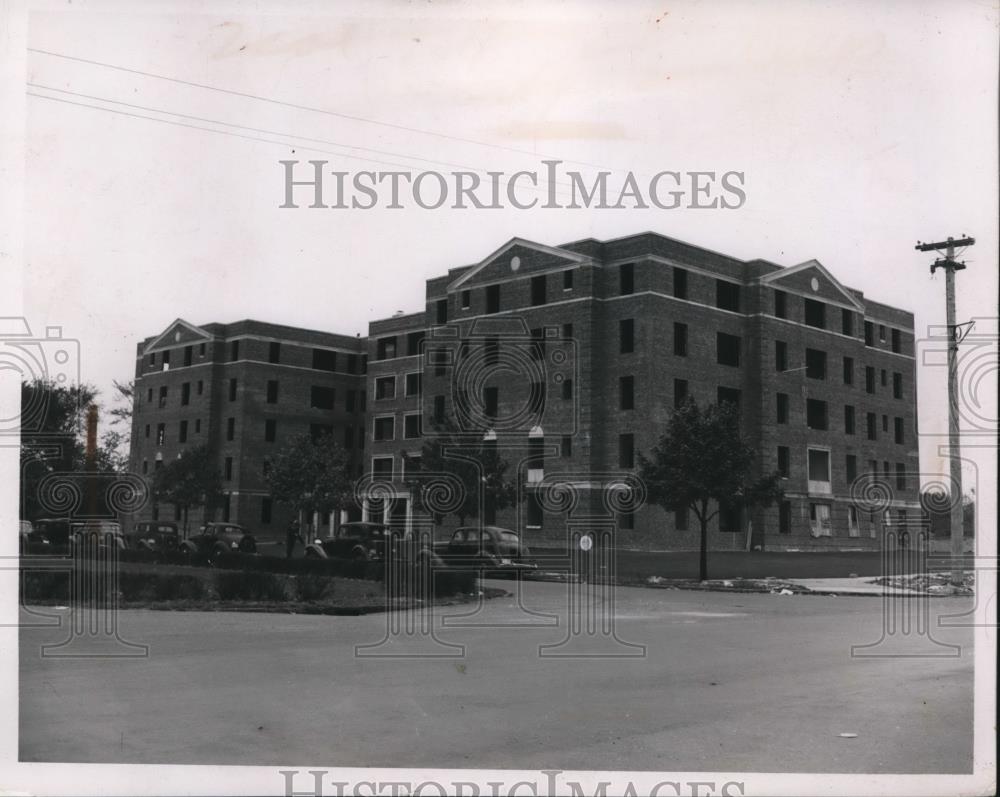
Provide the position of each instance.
(179, 333)
(811, 279)
(517, 257)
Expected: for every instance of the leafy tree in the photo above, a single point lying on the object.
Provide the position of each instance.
(113, 452)
(938, 505)
(191, 480)
(52, 426)
(311, 475)
(702, 459)
(476, 464)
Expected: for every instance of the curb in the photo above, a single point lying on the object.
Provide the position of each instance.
(796, 589)
(489, 593)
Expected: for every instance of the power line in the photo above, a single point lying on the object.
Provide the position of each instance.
(309, 108)
(264, 131)
(284, 144)
(206, 129)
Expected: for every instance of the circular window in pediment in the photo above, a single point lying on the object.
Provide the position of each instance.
(815, 284)
(515, 263)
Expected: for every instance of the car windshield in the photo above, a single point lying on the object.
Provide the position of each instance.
(509, 536)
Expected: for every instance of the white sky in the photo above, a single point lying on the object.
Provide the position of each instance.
(861, 127)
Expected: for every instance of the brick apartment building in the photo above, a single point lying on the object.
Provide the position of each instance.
(243, 389)
(570, 359)
(573, 358)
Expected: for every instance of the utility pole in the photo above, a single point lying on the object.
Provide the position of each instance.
(950, 266)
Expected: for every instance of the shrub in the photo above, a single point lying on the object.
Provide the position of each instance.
(139, 585)
(313, 587)
(245, 585)
(178, 587)
(44, 585)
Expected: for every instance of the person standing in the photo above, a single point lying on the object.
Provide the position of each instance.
(291, 537)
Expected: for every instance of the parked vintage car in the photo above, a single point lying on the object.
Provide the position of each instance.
(356, 540)
(58, 531)
(97, 536)
(489, 549)
(152, 535)
(33, 541)
(215, 539)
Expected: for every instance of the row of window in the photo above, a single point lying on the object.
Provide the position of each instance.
(322, 359)
(814, 315)
(386, 348)
(816, 368)
(817, 418)
(383, 465)
(184, 428)
(727, 297)
(385, 386)
(728, 352)
(384, 427)
(727, 293)
(320, 397)
(821, 526)
(818, 472)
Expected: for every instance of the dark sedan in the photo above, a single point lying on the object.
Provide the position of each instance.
(33, 541)
(356, 540)
(57, 531)
(154, 536)
(216, 539)
(490, 548)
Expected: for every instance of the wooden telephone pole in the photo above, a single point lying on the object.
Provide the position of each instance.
(950, 266)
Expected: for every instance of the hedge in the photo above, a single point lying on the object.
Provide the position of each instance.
(344, 568)
(150, 584)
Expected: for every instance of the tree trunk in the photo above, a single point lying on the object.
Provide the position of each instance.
(703, 556)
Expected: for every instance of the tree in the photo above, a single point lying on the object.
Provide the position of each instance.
(113, 452)
(52, 424)
(701, 459)
(311, 475)
(477, 466)
(937, 503)
(191, 480)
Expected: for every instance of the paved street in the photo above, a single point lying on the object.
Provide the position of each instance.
(728, 681)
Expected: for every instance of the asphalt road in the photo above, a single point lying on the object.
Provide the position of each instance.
(738, 682)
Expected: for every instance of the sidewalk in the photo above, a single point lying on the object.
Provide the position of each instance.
(860, 586)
